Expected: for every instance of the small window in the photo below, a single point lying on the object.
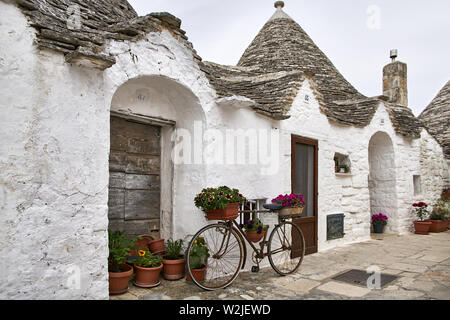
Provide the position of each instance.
(417, 185)
(342, 164)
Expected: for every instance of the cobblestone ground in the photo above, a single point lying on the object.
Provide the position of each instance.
(422, 264)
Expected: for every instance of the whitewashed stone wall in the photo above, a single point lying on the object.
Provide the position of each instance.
(53, 171)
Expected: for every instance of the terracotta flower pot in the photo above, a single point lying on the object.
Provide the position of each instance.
(231, 212)
(118, 281)
(147, 277)
(422, 227)
(174, 269)
(438, 226)
(254, 237)
(446, 196)
(198, 274)
(156, 246)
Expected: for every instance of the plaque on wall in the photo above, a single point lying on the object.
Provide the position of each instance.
(335, 226)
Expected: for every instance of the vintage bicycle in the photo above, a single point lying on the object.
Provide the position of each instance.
(226, 242)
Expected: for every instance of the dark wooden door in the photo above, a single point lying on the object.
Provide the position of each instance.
(134, 187)
(305, 182)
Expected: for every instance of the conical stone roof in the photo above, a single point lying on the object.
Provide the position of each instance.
(436, 118)
(274, 66)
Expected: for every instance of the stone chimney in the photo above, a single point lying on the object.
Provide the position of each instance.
(395, 81)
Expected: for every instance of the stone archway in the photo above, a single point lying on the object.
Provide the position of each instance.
(162, 107)
(382, 179)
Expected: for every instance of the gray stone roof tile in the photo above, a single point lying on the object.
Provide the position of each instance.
(436, 118)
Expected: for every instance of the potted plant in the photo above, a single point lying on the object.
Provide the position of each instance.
(148, 268)
(446, 194)
(255, 230)
(439, 217)
(119, 271)
(157, 247)
(344, 169)
(198, 260)
(421, 226)
(220, 203)
(293, 204)
(379, 222)
(174, 262)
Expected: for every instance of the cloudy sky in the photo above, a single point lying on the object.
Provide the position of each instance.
(356, 35)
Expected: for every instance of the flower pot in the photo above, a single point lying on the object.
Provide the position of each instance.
(254, 237)
(288, 212)
(446, 196)
(438, 226)
(147, 277)
(231, 212)
(198, 274)
(156, 247)
(174, 269)
(378, 228)
(422, 227)
(118, 281)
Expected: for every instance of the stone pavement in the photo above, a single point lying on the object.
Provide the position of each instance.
(422, 264)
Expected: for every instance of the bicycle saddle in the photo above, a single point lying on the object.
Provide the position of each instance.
(273, 207)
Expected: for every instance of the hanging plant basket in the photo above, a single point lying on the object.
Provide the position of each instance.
(254, 236)
(231, 212)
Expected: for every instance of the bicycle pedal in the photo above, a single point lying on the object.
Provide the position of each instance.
(255, 269)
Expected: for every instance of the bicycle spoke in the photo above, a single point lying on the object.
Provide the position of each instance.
(226, 256)
(281, 248)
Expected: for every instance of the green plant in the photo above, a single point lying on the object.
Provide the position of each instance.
(199, 254)
(148, 260)
(119, 248)
(173, 249)
(254, 225)
(346, 168)
(217, 198)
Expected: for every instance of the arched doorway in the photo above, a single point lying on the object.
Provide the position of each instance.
(148, 191)
(382, 179)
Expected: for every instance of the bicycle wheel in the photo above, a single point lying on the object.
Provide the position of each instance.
(286, 248)
(226, 256)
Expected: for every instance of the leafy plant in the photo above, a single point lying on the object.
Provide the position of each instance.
(346, 168)
(173, 249)
(446, 190)
(119, 248)
(148, 260)
(199, 254)
(217, 198)
(254, 225)
(380, 219)
(290, 201)
(421, 210)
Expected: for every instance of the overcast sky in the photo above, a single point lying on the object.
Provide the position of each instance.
(356, 35)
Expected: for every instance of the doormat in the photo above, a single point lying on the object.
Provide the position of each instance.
(359, 277)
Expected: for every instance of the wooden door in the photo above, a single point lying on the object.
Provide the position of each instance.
(134, 188)
(305, 182)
